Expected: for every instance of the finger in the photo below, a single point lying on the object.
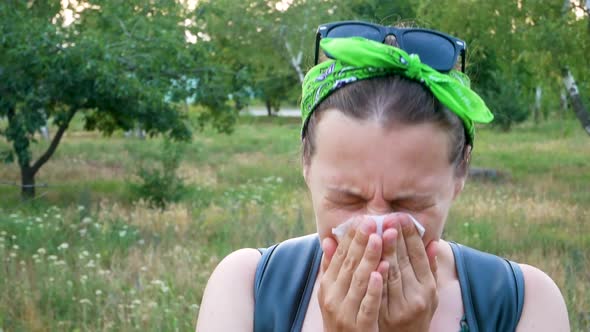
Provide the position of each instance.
(360, 279)
(369, 309)
(383, 269)
(416, 251)
(394, 284)
(331, 273)
(355, 253)
(409, 282)
(432, 252)
(329, 246)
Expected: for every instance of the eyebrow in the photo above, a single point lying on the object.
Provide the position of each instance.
(358, 193)
(346, 190)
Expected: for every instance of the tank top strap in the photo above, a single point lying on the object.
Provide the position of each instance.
(492, 289)
(284, 283)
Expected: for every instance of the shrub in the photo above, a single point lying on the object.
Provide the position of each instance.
(159, 182)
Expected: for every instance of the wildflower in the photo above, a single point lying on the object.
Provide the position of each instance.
(3, 233)
(161, 284)
(41, 251)
(85, 301)
(35, 256)
(152, 304)
(38, 219)
(82, 232)
(81, 207)
(136, 302)
(143, 269)
(60, 263)
(157, 282)
(15, 247)
(86, 220)
(90, 264)
(51, 279)
(63, 246)
(98, 292)
(52, 258)
(194, 306)
(12, 255)
(83, 279)
(122, 233)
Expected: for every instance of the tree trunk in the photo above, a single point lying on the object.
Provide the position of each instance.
(28, 172)
(27, 183)
(295, 61)
(268, 107)
(563, 104)
(537, 108)
(577, 104)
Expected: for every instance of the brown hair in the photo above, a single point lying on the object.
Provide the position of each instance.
(392, 99)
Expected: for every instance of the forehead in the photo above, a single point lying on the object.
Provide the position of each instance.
(351, 152)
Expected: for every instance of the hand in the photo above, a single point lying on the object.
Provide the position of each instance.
(409, 292)
(351, 285)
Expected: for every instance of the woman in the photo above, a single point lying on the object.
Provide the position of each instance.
(384, 133)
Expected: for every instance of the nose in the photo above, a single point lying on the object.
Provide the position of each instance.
(379, 207)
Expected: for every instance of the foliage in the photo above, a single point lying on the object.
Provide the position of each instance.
(160, 183)
(523, 44)
(505, 100)
(120, 64)
(129, 267)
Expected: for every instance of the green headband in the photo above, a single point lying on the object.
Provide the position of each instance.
(357, 58)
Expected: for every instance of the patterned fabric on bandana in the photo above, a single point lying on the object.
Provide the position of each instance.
(357, 58)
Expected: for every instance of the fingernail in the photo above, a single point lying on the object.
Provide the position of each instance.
(373, 242)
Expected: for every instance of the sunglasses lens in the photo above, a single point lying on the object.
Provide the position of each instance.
(434, 50)
(355, 30)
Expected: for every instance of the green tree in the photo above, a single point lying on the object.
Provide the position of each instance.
(270, 42)
(114, 63)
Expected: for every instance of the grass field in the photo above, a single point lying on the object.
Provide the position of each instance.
(88, 255)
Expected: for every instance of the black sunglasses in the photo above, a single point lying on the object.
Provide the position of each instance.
(436, 49)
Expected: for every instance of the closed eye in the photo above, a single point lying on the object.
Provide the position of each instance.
(412, 205)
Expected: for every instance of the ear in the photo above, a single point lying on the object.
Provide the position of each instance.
(463, 172)
(305, 173)
(305, 166)
(459, 185)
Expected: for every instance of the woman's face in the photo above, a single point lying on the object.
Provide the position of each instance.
(360, 168)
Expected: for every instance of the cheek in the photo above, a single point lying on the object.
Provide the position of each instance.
(328, 218)
(433, 221)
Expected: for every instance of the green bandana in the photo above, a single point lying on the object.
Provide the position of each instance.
(357, 58)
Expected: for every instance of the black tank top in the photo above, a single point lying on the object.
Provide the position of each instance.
(492, 288)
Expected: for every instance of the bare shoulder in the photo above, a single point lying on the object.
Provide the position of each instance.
(544, 307)
(228, 300)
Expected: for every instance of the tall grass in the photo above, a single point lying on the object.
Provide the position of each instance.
(88, 255)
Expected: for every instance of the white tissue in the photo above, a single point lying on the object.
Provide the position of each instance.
(341, 229)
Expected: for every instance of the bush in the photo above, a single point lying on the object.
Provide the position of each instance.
(506, 99)
(159, 182)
